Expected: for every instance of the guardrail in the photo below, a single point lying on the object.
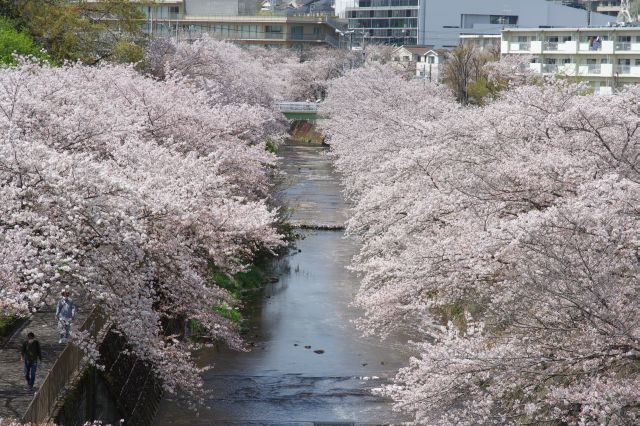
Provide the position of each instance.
(594, 69)
(623, 69)
(310, 107)
(71, 362)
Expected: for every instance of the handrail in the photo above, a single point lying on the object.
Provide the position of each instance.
(71, 360)
(297, 106)
(251, 18)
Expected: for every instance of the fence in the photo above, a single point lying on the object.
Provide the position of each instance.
(69, 364)
(309, 107)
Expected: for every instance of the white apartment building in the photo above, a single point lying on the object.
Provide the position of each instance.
(606, 57)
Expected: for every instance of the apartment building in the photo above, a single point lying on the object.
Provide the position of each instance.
(238, 21)
(606, 57)
(386, 21)
(441, 22)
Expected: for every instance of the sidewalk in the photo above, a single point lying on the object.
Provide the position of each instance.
(14, 396)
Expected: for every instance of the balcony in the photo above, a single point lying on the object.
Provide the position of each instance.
(604, 90)
(567, 69)
(623, 69)
(606, 47)
(521, 47)
(623, 46)
(536, 68)
(569, 46)
(594, 69)
(549, 68)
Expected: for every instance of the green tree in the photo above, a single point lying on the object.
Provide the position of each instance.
(88, 31)
(464, 66)
(18, 42)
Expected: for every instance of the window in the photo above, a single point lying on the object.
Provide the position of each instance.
(297, 32)
(431, 60)
(273, 31)
(174, 9)
(637, 62)
(503, 19)
(566, 61)
(523, 39)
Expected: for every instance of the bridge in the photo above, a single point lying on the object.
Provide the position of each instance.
(298, 110)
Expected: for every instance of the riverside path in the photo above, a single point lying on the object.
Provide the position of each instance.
(14, 395)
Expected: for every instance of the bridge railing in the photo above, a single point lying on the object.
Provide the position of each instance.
(71, 361)
(310, 107)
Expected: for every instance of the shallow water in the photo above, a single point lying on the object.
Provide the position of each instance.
(282, 380)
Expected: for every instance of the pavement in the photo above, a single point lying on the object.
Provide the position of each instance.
(14, 394)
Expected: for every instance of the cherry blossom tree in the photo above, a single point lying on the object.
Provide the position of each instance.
(309, 78)
(252, 74)
(124, 188)
(503, 239)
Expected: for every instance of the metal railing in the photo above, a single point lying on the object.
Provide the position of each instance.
(594, 69)
(293, 18)
(310, 107)
(70, 362)
(623, 69)
(549, 68)
(521, 46)
(623, 45)
(551, 46)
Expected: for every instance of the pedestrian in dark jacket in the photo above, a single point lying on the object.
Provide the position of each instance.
(30, 355)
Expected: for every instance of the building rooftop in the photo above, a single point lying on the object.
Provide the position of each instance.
(417, 50)
(575, 29)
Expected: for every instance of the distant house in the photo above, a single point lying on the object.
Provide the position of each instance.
(406, 57)
(430, 65)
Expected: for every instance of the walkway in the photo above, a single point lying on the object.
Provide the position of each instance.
(14, 396)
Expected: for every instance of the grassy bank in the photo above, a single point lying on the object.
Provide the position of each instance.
(303, 131)
(240, 285)
(8, 325)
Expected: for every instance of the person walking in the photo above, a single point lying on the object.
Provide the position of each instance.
(65, 312)
(30, 354)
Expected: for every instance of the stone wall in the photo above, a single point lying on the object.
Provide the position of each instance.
(126, 389)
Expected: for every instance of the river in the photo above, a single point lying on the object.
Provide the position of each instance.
(308, 363)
